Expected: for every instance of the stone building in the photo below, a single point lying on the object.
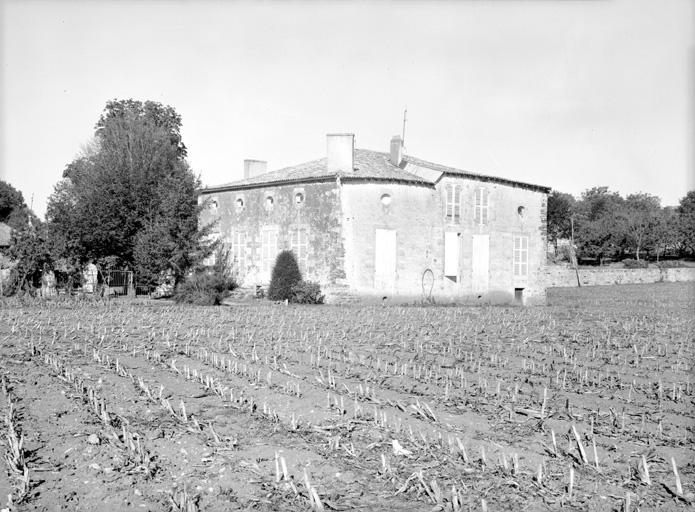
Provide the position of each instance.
(376, 224)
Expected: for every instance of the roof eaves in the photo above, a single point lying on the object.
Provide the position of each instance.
(265, 184)
(386, 178)
(496, 179)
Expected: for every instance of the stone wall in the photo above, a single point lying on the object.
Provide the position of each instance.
(565, 276)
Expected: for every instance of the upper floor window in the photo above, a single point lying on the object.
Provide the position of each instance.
(213, 204)
(521, 256)
(239, 204)
(482, 203)
(453, 202)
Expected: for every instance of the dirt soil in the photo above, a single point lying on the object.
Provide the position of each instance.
(585, 404)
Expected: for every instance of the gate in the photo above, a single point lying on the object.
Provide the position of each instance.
(120, 283)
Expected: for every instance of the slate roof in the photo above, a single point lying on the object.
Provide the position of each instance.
(5, 235)
(368, 165)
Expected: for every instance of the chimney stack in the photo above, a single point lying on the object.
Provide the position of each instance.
(396, 150)
(254, 168)
(340, 152)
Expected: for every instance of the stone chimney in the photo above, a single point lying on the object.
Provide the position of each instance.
(396, 150)
(340, 152)
(254, 168)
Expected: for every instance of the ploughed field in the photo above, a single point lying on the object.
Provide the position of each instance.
(586, 404)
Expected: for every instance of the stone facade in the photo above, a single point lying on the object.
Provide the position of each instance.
(276, 218)
(418, 216)
(387, 225)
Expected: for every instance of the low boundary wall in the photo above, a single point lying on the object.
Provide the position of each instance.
(566, 276)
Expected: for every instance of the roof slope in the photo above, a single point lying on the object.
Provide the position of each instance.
(368, 165)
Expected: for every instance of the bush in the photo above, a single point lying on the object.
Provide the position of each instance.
(629, 263)
(204, 289)
(285, 275)
(307, 292)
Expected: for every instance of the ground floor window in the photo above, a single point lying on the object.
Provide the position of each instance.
(451, 254)
(269, 246)
(238, 253)
(300, 246)
(384, 259)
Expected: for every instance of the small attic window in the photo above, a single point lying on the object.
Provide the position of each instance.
(269, 201)
(239, 203)
(386, 199)
(298, 198)
(213, 204)
(521, 211)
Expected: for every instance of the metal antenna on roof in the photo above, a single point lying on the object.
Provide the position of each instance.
(405, 118)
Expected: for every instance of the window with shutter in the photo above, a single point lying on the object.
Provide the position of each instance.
(238, 248)
(451, 254)
(482, 205)
(269, 236)
(521, 256)
(299, 245)
(453, 203)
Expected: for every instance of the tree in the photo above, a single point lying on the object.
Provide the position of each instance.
(561, 207)
(13, 210)
(285, 275)
(30, 249)
(170, 240)
(597, 232)
(130, 199)
(639, 221)
(686, 221)
(666, 234)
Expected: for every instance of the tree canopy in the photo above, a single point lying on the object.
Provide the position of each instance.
(130, 199)
(13, 210)
(561, 209)
(608, 225)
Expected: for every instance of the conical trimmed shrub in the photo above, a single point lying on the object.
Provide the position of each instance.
(285, 275)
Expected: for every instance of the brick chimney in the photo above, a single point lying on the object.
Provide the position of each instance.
(340, 152)
(254, 168)
(396, 150)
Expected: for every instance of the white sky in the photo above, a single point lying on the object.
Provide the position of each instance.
(571, 94)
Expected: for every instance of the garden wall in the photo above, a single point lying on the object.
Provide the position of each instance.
(566, 276)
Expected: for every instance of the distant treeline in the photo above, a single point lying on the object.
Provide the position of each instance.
(603, 224)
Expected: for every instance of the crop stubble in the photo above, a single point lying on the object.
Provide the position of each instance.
(584, 404)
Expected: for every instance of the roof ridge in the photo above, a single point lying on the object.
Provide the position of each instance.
(368, 164)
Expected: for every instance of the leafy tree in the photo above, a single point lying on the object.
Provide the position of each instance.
(11, 199)
(666, 231)
(285, 275)
(597, 232)
(686, 221)
(13, 210)
(130, 199)
(30, 248)
(639, 221)
(561, 207)
(209, 286)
